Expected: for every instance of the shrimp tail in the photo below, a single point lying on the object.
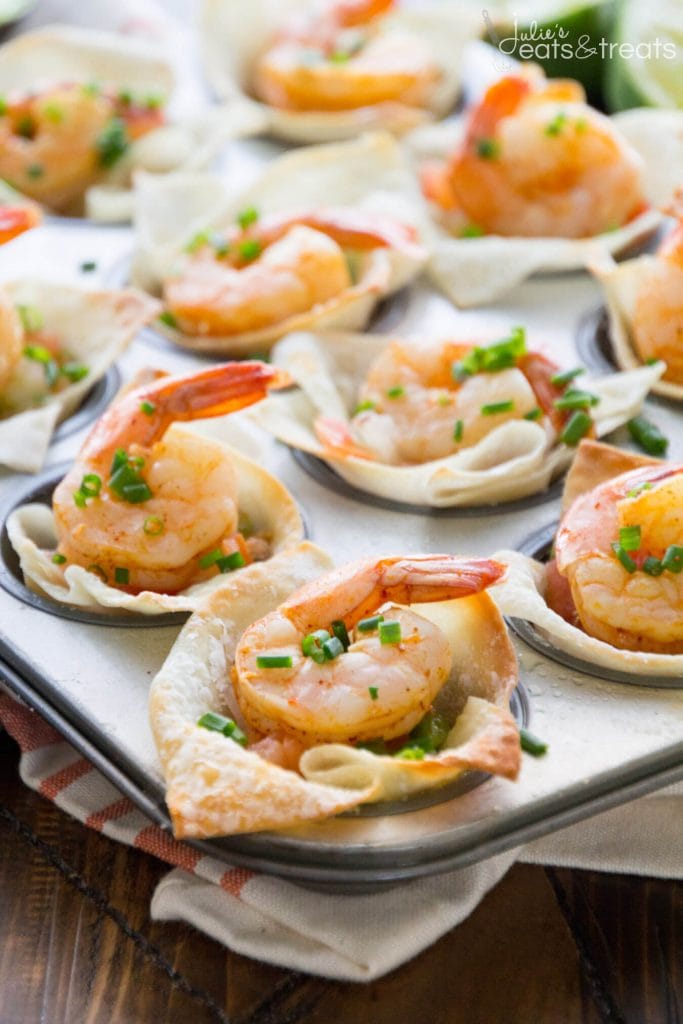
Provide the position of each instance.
(349, 13)
(501, 100)
(142, 416)
(335, 437)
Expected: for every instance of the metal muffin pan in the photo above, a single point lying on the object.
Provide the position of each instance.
(607, 743)
(538, 546)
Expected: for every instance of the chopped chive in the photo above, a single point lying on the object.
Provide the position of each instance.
(647, 435)
(235, 560)
(219, 723)
(153, 526)
(245, 525)
(120, 459)
(3, 106)
(136, 493)
(373, 746)
(250, 249)
(496, 407)
(38, 353)
(31, 318)
(396, 392)
(79, 499)
(390, 632)
(556, 125)
(673, 559)
(209, 560)
(154, 101)
(197, 242)
(74, 371)
(125, 97)
(26, 127)
(575, 399)
(311, 645)
(566, 376)
(91, 485)
(247, 217)
(653, 566)
(149, 408)
(167, 318)
(339, 630)
(444, 400)
(458, 430)
(274, 661)
(125, 480)
(58, 559)
(35, 171)
(363, 407)
(112, 142)
(629, 538)
(332, 648)
(98, 571)
(410, 753)
(581, 125)
(472, 231)
(577, 427)
(374, 692)
(431, 732)
(533, 414)
(505, 353)
(647, 486)
(488, 149)
(91, 89)
(121, 575)
(532, 744)
(624, 557)
(339, 56)
(652, 361)
(369, 624)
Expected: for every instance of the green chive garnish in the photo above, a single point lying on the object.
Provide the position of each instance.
(557, 124)
(374, 692)
(98, 571)
(577, 427)
(31, 319)
(373, 746)
(472, 231)
(125, 97)
(74, 372)
(566, 376)
(533, 414)
(274, 661)
(624, 557)
(487, 149)
(390, 632)
(432, 732)
(647, 486)
(247, 217)
(396, 392)
(228, 563)
(341, 633)
(154, 101)
(532, 744)
(629, 538)
(153, 526)
(226, 726)
(250, 249)
(125, 480)
(311, 645)
(411, 753)
(673, 559)
(3, 106)
(91, 485)
(91, 89)
(26, 127)
(167, 318)
(112, 142)
(210, 559)
(575, 399)
(58, 559)
(648, 436)
(332, 648)
(197, 241)
(121, 575)
(370, 624)
(148, 408)
(363, 407)
(493, 358)
(653, 566)
(79, 499)
(458, 430)
(35, 171)
(496, 407)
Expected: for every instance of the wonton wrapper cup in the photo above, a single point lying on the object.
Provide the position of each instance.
(264, 499)
(95, 327)
(61, 53)
(368, 174)
(621, 283)
(521, 594)
(216, 787)
(235, 35)
(472, 271)
(515, 460)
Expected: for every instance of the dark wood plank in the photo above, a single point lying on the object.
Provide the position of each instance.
(76, 944)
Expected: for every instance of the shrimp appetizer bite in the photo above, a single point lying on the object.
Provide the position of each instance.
(611, 593)
(644, 300)
(56, 343)
(102, 99)
(17, 214)
(538, 181)
(443, 423)
(318, 241)
(152, 516)
(326, 69)
(374, 681)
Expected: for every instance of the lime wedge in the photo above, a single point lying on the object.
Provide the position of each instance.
(566, 38)
(645, 68)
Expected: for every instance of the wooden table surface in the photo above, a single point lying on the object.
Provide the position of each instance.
(547, 945)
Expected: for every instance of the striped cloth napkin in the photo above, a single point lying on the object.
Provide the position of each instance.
(342, 937)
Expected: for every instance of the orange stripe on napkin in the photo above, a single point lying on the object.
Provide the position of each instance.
(29, 730)
(160, 844)
(53, 785)
(112, 812)
(234, 880)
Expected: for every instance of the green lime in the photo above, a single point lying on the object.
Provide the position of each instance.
(645, 67)
(567, 39)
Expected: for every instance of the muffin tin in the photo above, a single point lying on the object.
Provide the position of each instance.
(607, 742)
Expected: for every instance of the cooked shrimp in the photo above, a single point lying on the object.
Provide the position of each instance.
(658, 314)
(630, 596)
(91, 127)
(375, 688)
(244, 280)
(11, 339)
(14, 220)
(414, 407)
(142, 505)
(343, 62)
(536, 160)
